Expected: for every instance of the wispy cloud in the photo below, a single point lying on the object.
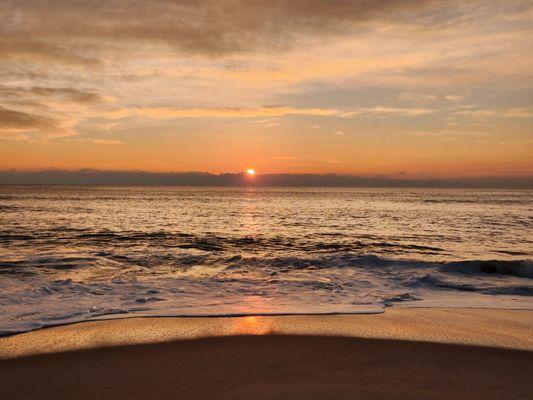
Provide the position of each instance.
(19, 125)
(244, 112)
(231, 112)
(10, 92)
(388, 111)
(505, 113)
(99, 141)
(446, 133)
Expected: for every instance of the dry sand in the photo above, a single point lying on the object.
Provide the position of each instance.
(402, 354)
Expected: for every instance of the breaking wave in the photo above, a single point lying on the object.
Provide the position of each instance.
(108, 284)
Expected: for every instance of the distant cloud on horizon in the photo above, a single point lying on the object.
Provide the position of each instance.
(97, 177)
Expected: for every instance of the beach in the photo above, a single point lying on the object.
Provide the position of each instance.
(402, 353)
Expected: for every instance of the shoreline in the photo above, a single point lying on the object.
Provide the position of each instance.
(136, 316)
(499, 328)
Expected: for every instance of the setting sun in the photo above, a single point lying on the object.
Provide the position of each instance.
(250, 172)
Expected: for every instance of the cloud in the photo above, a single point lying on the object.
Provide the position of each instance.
(267, 121)
(100, 141)
(455, 97)
(76, 95)
(426, 133)
(449, 134)
(425, 98)
(16, 46)
(18, 125)
(271, 111)
(75, 30)
(34, 112)
(505, 113)
(98, 177)
(43, 92)
(478, 113)
(384, 111)
(117, 113)
(12, 119)
(517, 113)
(412, 97)
(231, 112)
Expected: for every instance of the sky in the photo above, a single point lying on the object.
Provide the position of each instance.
(397, 88)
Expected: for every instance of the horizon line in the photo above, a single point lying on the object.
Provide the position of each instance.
(89, 176)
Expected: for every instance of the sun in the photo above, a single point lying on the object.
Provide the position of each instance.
(250, 171)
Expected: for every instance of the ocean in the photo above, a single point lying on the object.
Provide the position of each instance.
(76, 253)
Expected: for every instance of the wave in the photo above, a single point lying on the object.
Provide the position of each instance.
(438, 282)
(519, 268)
(214, 243)
(301, 259)
(58, 290)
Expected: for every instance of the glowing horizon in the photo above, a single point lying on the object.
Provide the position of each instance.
(411, 88)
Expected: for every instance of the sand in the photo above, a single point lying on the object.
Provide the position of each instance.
(402, 354)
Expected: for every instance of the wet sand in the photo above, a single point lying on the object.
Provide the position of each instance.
(402, 354)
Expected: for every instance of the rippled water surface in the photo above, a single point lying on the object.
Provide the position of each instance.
(74, 253)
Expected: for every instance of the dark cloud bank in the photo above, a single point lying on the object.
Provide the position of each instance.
(97, 177)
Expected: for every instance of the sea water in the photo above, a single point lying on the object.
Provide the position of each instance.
(70, 253)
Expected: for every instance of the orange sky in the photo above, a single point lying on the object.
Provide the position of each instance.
(411, 88)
